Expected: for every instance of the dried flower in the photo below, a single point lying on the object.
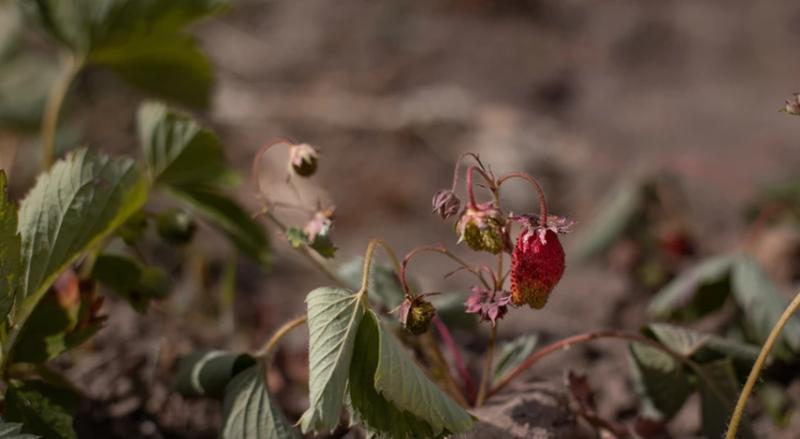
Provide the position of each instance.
(490, 306)
(446, 203)
(537, 262)
(483, 227)
(303, 159)
(320, 225)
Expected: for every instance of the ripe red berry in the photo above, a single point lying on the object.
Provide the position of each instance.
(537, 265)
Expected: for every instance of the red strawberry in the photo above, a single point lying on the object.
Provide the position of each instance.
(537, 265)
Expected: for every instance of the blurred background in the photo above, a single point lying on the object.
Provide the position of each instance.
(592, 98)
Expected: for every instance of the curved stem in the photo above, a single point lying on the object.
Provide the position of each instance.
(306, 251)
(55, 100)
(487, 369)
(458, 167)
(273, 341)
(539, 191)
(589, 336)
(373, 244)
(470, 191)
(255, 173)
(733, 427)
(440, 250)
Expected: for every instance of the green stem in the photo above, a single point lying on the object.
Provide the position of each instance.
(273, 341)
(55, 100)
(736, 419)
(373, 244)
(483, 390)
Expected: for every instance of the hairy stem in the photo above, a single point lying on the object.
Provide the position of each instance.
(589, 336)
(273, 341)
(373, 244)
(55, 100)
(539, 191)
(736, 419)
(470, 190)
(487, 369)
(458, 167)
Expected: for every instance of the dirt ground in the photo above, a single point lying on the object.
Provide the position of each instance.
(581, 94)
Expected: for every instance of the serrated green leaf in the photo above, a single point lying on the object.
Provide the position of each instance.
(42, 408)
(249, 412)
(512, 353)
(762, 303)
(619, 212)
(384, 285)
(13, 430)
(229, 218)
(144, 41)
(696, 292)
(80, 201)
(134, 282)
(660, 379)
(372, 410)
(333, 318)
(9, 249)
(208, 373)
(178, 150)
(719, 391)
(407, 387)
(701, 347)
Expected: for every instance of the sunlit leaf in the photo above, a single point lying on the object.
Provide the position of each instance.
(42, 408)
(249, 412)
(80, 201)
(208, 373)
(333, 318)
(178, 150)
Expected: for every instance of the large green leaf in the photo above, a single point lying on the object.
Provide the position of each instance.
(407, 387)
(208, 373)
(371, 409)
(696, 292)
(43, 409)
(229, 218)
(660, 379)
(333, 318)
(249, 412)
(178, 150)
(719, 391)
(136, 283)
(144, 41)
(13, 430)
(9, 249)
(80, 201)
(512, 353)
(762, 303)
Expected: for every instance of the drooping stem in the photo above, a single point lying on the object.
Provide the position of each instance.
(441, 250)
(458, 167)
(255, 173)
(55, 100)
(470, 190)
(487, 369)
(736, 419)
(305, 251)
(273, 341)
(539, 191)
(455, 352)
(373, 244)
(583, 338)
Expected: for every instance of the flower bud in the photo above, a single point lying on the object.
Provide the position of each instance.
(303, 159)
(416, 315)
(792, 105)
(446, 203)
(483, 227)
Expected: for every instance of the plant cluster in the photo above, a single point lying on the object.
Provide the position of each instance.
(382, 356)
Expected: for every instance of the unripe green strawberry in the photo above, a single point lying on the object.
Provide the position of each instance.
(416, 314)
(176, 226)
(483, 228)
(537, 265)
